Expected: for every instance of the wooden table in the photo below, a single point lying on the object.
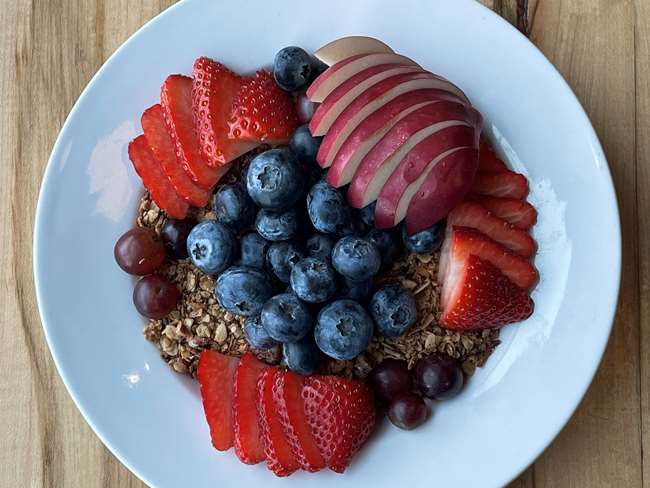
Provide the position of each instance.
(49, 49)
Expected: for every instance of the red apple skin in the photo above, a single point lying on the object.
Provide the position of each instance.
(366, 183)
(345, 93)
(412, 166)
(444, 188)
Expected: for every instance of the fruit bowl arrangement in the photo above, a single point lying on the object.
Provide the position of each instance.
(287, 219)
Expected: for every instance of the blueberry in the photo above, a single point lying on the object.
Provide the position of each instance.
(357, 259)
(304, 145)
(286, 318)
(393, 309)
(174, 235)
(327, 209)
(292, 68)
(277, 225)
(253, 248)
(367, 214)
(343, 329)
(353, 225)
(425, 241)
(243, 290)
(320, 246)
(256, 334)
(233, 207)
(359, 291)
(211, 246)
(313, 280)
(302, 357)
(387, 243)
(281, 257)
(275, 179)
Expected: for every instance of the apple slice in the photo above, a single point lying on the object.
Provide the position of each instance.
(370, 101)
(344, 94)
(327, 82)
(345, 47)
(378, 164)
(418, 165)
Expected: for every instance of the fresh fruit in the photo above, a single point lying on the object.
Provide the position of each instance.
(211, 246)
(391, 377)
(407, 410)
(346, 92)
(275, 179)
(440, 188)
(262, 112)
(291, 410)
(368, 102)
(507, 184)
(359, 291)
(233, 207)
(281, 258)
(248, 442)
(313, 280)
(367, 214)
(302, 356)
(252, 250)
(174, 235)
(519, 213)
(292, 68)
(176, 99)
(388, 245)
(215, 374)
(279, 457)
(164, 150)
(327, 209)
(213, 92)
(304, 145)
(320, 246)
(286, 318)
(393, 309)
(343, 70)
(154, 296)
(345, 47)
(256, 334)
(438, 377)
(161, 190)
(243, 290)
(424, 241)
(341, 416)
(488, 162)
(463, 241)
(305, 108)
(475, 216)
(477, 295)
(139, 251)
(343, 329)
(277, 226)
(356, 258)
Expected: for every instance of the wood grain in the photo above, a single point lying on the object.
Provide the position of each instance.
(48, 52)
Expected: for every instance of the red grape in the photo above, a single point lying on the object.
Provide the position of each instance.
(438, 377)
(155, 296)
(390, 377)
(174, 235)
(139, 251)
(407, 410)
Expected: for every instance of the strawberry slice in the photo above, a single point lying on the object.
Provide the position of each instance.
(279, 457)
(176, 99)
(162, 146)
(249, 446)
(291, 410)
(154, 180)
(341, 415)
(477, 296)
(519, 213)
(213, 92)
(463, 241)
(262, 112)
(216, 375)
(506, 184)
(471, 214)
(488, 162)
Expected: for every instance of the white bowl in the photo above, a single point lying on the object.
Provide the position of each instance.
(152, 419)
